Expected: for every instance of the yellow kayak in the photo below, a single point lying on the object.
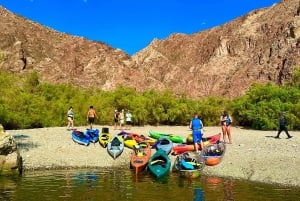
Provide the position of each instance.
(104, 138)
(128, 141)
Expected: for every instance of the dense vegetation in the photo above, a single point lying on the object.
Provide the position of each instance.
(27, 103)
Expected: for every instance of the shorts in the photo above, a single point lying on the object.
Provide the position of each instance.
(91, 119)
(116, 120)
(197, 136)
(128, 122)
(122, 121)
(70, 118)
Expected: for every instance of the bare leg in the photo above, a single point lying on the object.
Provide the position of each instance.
(229, 134)
(224, 133)
(202, 146)
(196, 147)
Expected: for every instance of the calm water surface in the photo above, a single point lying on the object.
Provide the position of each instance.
(123, 185)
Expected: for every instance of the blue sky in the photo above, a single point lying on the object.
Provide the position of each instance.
(131, 24)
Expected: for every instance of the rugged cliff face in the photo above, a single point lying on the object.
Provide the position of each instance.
(59, 57)
(263, 46)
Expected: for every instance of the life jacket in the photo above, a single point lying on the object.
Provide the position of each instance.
(228, 120)
(196, 124)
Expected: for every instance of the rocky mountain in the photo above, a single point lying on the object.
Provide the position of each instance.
(262, 46)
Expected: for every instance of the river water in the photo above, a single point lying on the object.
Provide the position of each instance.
(124, 185)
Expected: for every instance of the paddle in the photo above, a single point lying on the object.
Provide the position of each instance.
(159, 162)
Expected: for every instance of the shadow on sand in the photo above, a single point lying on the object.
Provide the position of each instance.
(23, 142)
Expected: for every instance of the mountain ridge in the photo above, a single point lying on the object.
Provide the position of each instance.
(261, 46)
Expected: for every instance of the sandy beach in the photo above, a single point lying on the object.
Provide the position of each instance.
(254, 155)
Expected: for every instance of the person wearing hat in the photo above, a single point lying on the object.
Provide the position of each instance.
(128, 120)
(116, 119)
(282, 126)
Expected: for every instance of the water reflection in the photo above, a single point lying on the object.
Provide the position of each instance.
(217, 184)
(124, 185)
(228, 196)
(198, 195)
(8, 186)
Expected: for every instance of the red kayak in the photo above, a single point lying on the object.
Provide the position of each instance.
(190, 147)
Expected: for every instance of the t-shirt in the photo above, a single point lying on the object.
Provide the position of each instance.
(128, 116)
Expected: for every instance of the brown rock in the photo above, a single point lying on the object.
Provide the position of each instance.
(10, 158)
(262, 46)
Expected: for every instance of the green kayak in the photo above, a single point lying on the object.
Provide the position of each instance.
(172, 137)
(159, 163)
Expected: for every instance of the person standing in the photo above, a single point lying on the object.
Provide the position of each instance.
(70, 115)
(226, 126)
(128, 119)
(283, 126)
(121, 119)
(196, 125)
(91, 115)
(116, 119)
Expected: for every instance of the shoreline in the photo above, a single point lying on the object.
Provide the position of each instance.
(253, 155)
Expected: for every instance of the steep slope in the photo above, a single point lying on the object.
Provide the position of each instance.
(262, 46)
(59, 57)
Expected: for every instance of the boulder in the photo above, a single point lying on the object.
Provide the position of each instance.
(10, 159)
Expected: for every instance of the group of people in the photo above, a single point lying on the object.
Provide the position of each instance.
(91, 116)
(197, 127)
(225, 120)
(121, 117)
(196, 124)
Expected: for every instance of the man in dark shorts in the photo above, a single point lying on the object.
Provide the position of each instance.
(91, 115)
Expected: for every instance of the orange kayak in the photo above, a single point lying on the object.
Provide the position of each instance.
(140, 156)
(213, 153)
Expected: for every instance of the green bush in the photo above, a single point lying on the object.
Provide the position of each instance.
(28, 103)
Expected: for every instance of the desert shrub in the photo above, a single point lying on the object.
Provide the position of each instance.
(27, 103)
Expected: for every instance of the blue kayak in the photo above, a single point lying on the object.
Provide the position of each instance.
(165, 144)
(94, 134)
(81, 137)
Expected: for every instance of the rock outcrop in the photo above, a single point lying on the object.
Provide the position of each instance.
(10, 159)
(262, 46)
